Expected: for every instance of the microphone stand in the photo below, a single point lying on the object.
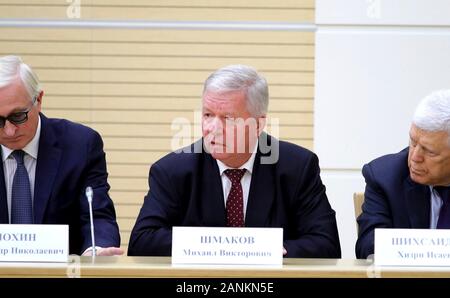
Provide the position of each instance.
(89, 196)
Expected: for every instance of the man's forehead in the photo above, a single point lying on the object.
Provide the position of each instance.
(430, 138)
(221, 95)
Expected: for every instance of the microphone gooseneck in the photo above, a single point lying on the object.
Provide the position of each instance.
(89, 196)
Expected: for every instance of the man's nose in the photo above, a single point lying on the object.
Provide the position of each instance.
(215, 125)
(9, 129)
(417, 154)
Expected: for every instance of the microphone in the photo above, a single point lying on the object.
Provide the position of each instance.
(89, 195)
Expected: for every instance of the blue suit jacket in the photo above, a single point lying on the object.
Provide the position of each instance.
(70, 158)
(391, 200)
(186, 190)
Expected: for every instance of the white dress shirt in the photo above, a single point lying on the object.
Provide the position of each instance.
(245, 181)
(29, 159)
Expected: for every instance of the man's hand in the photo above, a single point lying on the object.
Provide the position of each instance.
(284, 251)
(105, 251)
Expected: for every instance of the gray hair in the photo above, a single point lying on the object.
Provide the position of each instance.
(433, 112)
(241, 78)
(11, 68)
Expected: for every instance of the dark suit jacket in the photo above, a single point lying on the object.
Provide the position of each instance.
(391, 200)
(70, 158)
(186, 190)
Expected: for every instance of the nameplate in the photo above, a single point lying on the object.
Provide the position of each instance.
(34, 243)
(234, 246)
(412, 247)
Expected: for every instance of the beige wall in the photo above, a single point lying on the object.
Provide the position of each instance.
(130, 84)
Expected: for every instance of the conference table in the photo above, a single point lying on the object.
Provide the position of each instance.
(161, 267)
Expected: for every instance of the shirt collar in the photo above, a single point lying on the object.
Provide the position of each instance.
(31, 148)
(248, 165)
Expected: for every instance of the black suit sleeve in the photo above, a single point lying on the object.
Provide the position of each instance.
(152, 233)
(96, 175)
(376, 213)
(316, 234)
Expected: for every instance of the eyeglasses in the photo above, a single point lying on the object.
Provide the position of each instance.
(18, 117)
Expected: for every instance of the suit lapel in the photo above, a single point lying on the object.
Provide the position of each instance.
(417, 198)
(49, 156)
(4, 217)
(261, 193)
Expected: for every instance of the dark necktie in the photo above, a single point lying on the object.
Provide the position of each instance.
(21, 206)
(235, 200)
(444, 213)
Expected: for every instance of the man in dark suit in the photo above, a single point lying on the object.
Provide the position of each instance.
(236, 176)
(409, 189)
(47, 165)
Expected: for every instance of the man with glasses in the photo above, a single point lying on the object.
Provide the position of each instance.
(47, 165)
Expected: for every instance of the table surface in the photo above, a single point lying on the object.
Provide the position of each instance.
(123, 266)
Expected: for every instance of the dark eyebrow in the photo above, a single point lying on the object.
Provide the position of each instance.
(18, 110)
(15, 111)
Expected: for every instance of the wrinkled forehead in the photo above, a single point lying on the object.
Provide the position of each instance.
(432, 139)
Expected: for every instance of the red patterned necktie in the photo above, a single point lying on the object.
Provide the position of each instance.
(444, 213)
(235, 200)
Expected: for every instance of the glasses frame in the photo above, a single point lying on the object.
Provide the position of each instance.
(12, 121)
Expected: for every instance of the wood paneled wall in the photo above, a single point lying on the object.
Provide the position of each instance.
(130, 84)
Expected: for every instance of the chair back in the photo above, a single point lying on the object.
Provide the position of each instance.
(358, 200)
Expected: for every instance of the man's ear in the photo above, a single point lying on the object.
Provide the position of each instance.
(39, 100)
(261, 124)
(39, 97)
